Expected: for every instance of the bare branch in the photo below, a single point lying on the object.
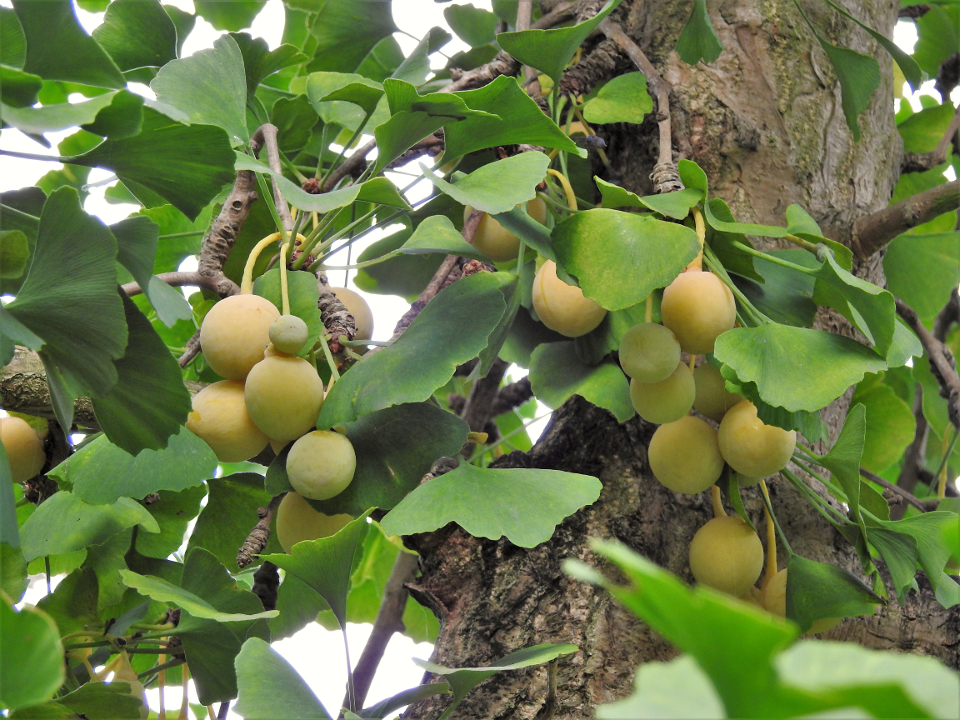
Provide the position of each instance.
(436, 283)
(257, 539)
(665, 177)
(220, 284)
(941, 361)
(352, 166)
(388, 622)
(190, 350)
(334, 315)
(511, 396)
(921, 505)
(918, 162)
(873, 232)
(267, 135)
(947, 317)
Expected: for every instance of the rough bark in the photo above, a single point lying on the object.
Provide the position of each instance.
(766, 124)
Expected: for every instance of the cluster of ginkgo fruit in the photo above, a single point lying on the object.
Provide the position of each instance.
(272, 396)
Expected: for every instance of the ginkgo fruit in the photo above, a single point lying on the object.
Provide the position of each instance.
(684, 455)
(754, 449)
(235, 332)
(562, 307)
(23, 446)
(494, 240)
(283, 396)
(297, 521)
(667, 400)
(698, 307)
(288, 333)
(727, 555)
(649, 352)
(773, 598)
(712, 399)
(359, 308)
(321, 464)
(220, 418)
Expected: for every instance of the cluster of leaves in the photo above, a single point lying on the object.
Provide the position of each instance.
(339, 72)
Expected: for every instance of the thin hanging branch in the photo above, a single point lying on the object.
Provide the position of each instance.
(387, 623)
(665, 177)
(873, 232)
(942, 363)
(921, 505)
(918, 162)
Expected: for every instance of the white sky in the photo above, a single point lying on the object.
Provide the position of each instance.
(315, 653)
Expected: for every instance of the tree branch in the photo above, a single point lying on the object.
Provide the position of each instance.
(257, 539)
(221, 285)
(388, 622)
(665, 177)
(873, 232)
(334, 314)
(266, 135)
(921, 505)
(23, 388)
(918, 162)
(941, 361)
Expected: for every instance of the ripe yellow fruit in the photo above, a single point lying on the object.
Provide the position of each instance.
(563, 307)
(773, 598)
(752, 448)
(713, 399)
(23, 446)
(649, 352)
(358, 307)
(684, 455)
(288, 333)
(726, 555)
(667, 400)
(297, 521)
(283, 396)
(321, 464)
(220, 419)
(235, 332)
(494, 240)
(698, 307)
(753, 597)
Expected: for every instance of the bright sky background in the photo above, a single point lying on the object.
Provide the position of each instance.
(315, 653)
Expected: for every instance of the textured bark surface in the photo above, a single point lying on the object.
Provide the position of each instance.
(765, 123)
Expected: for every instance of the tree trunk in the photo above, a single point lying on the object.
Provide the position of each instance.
(765, 122)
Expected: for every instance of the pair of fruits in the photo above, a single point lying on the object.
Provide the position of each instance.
(23, 446)
(687, 455)
(270, 396)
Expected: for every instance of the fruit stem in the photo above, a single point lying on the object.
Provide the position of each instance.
(334, 375)
(648, 313)
(246, 284)
(693, 362)
(718, 511)
(772, 515)
(567, 188)
(284, 294)
(86, 663)
(186, 693)
(818, 502)
(697, 262)
(771, 543)
(161, 685)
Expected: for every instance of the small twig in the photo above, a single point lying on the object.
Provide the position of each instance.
(511, 397)
(921, 505)
(220, 284)
(437, 281)
(266, 583)
(266, 135)
(665, 177)
(352, 166)
(257, 539)
(388, 622)
(913, 12)
(477, 410)
(941, 361)
(190, 350)
(918, 162)
(947, 317)
(873, 232)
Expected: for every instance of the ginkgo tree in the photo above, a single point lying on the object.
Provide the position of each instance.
(622, 150)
